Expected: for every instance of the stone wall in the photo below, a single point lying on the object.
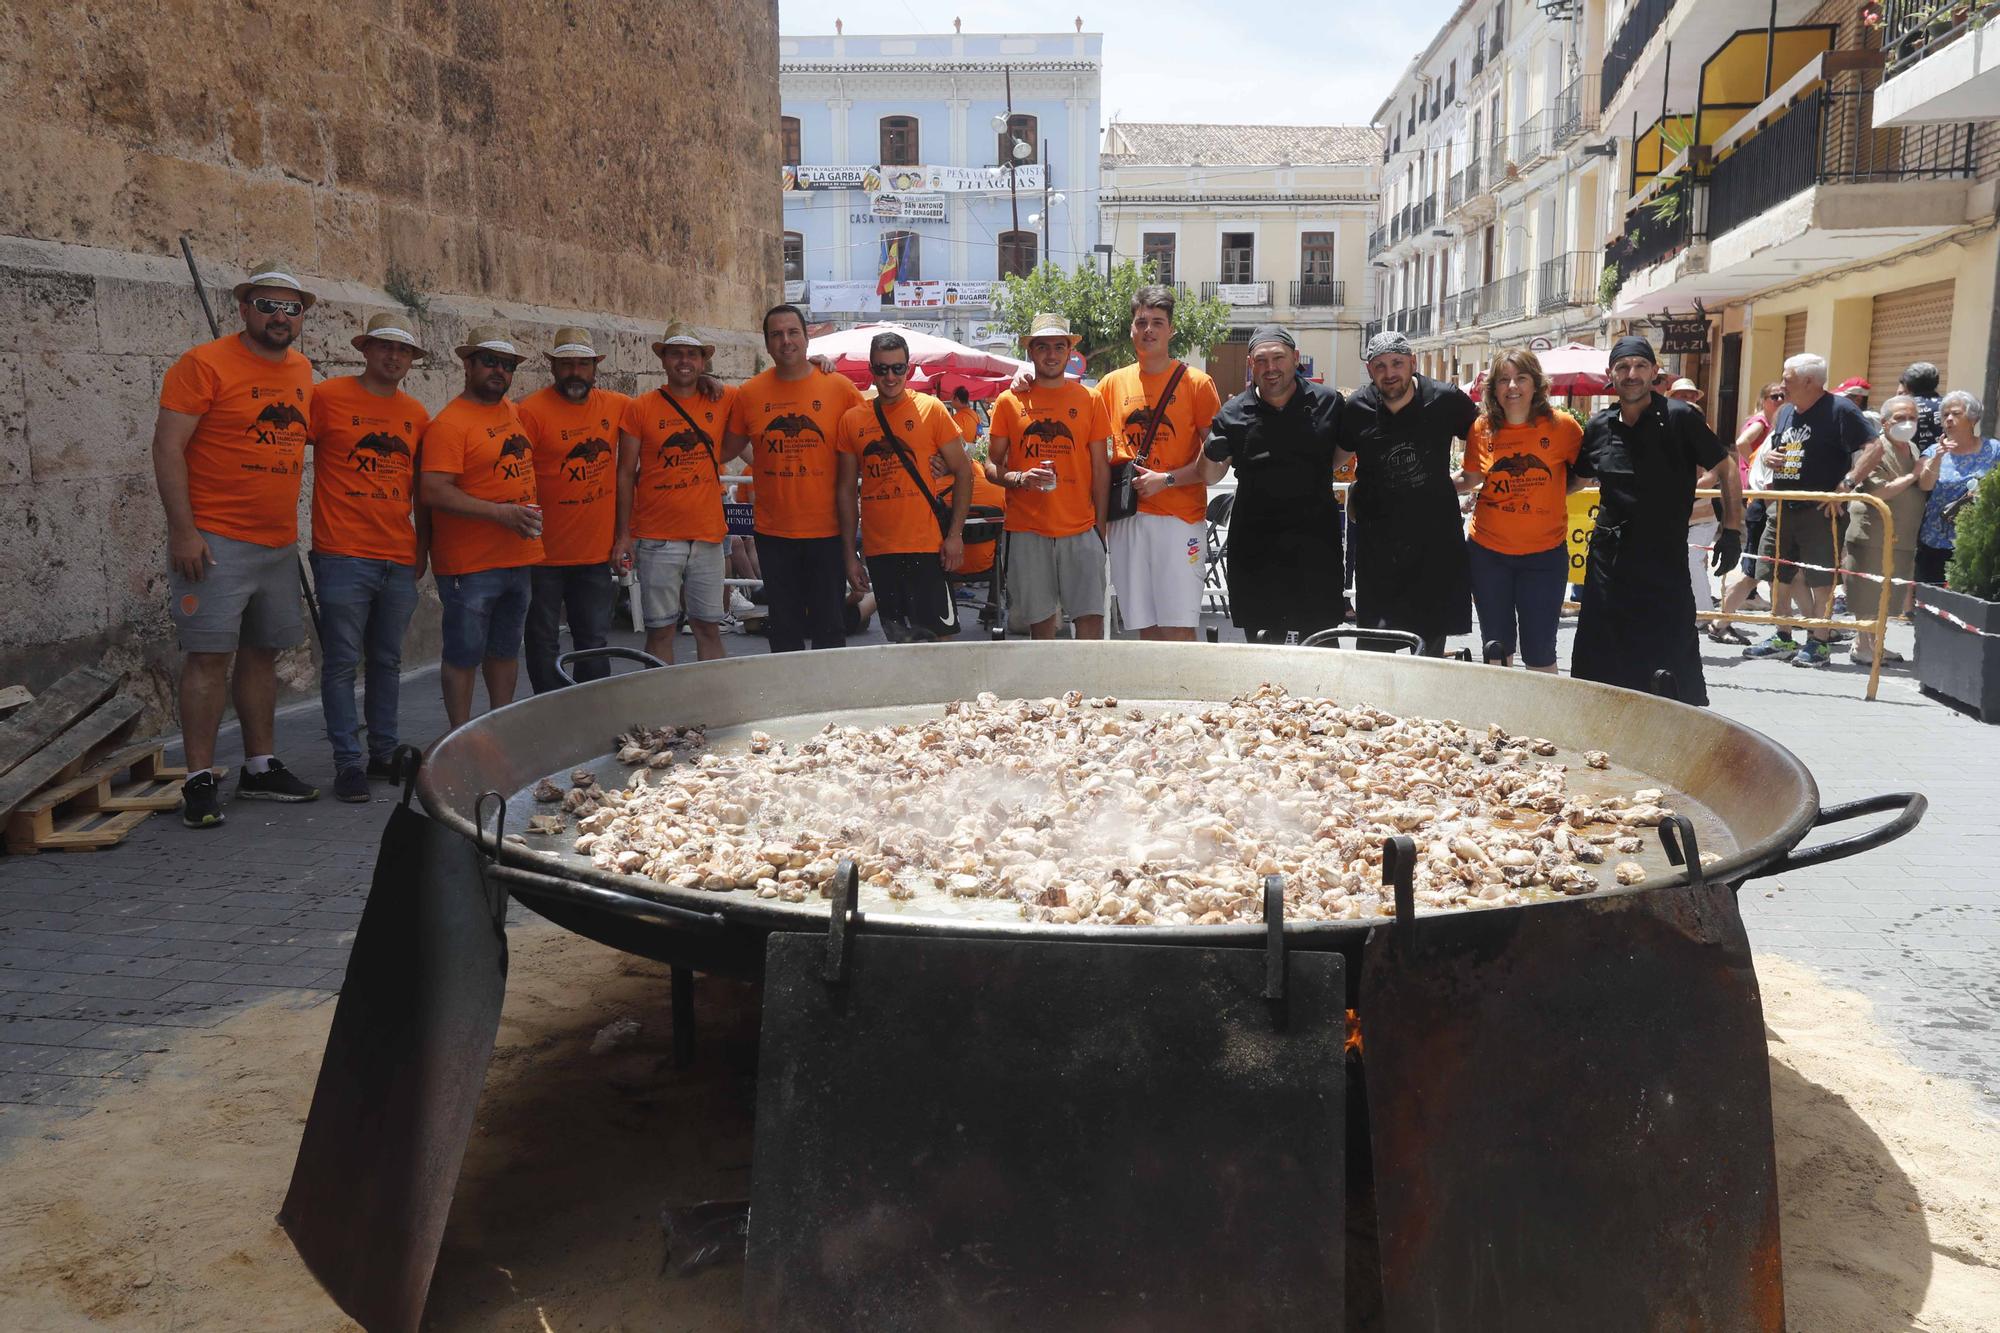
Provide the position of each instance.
(610, 165)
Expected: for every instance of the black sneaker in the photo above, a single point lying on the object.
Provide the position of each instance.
(275, 783)
(201, 801)
(351, 785)
(387, 769)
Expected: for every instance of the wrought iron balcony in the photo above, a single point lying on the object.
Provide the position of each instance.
(1496, 162)
(1505, 299)
(1531, 142)
(1641, 22)
(1454, 192)
(1575, 111)
(1378, 241)
(1912, 29)
(1319, 294)
(1567, 280)
(1656, 233)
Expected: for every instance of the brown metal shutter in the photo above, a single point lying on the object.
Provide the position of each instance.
(1795, 334)
(1911, 325)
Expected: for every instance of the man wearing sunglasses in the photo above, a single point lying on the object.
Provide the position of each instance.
(486, 524)
(909, 539)
(228, 449)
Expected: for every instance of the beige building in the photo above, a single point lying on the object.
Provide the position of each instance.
(1817, 182)
(1270, 218)
(460, 158)
(1495, 192)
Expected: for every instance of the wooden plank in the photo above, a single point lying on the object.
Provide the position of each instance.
(67, 751)
(32, 727)
(13, 697)
(87, 832)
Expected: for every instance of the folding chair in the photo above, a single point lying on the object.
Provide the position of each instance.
(1215, 543)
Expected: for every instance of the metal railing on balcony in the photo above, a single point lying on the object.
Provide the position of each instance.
(1567, 280)
(1641, 22)
(1478, 60)
(1531, 141)
(1428, 215)
(1395, 227)
(1378, 241)
(1454, 191)
(1912, 29)
(1828, 138)
(1320, 294)
(1575, 111)
(1369, 330)
(1496, 162)
(1420, 321)
(1238, 293)
(1655, 233)
(1505, 299)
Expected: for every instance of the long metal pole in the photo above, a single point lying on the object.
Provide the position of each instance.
(1048, 214)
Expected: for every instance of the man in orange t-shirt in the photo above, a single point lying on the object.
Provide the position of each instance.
(367, 554)
(670, 497)
(1157, 553)
(228, 450)
(790, 414)
(908, 553)
(486, 525)
(963, 415)
(573, 425)
(1049, 442)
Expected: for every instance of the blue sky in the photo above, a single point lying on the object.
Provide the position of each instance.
(1326, 62)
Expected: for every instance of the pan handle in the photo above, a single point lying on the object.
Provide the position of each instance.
(1391, 638)
(624, 904)
(1909, 805)
(563, 660)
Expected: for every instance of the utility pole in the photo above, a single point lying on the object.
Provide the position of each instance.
(1048, 213)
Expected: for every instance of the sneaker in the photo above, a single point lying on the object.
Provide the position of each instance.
(351, 785)
(739, 605)
(1781, 646)
(276, 783)
(201, 801)
(1813, 653)
(385, 768)
(729, 624)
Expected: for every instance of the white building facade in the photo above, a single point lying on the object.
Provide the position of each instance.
(900, 151)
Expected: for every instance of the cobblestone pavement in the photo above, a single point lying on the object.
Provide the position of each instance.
(107, 957)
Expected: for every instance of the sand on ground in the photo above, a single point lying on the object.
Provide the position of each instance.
(156, 1210)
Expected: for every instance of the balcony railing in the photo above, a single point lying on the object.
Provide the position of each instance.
(1428, 214)
(1378, 241)
(1496, 162)
(1912, 29)
(1454, 192)
(1567, 280)
(1505, 299)
(1828, 138)
(1478, 60)
(1574, 112)
(1655, 235)
(1641, 22)
(1238, 293)
(1323, 294)
(1369, 330)
(1531, 143)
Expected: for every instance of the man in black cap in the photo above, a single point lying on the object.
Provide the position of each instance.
(1282, 436)
(1638, 606)
(1410, 569)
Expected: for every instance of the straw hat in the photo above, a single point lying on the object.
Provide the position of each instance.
(489, 338)
(1687, 386)
(681, 334)
(1050, 326)
(573, 344)
(273, 275)
(389, 329)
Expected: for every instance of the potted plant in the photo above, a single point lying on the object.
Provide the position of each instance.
(1952, 662)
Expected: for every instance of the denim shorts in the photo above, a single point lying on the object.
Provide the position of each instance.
(484, 614)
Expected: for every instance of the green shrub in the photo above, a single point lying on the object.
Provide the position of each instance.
(1975, 554)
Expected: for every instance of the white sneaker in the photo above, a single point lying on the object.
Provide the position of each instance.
(729, 625)
(739, 605)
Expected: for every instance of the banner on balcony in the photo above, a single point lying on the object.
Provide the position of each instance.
(795, 291)
(959, 180)
(1682, 333)
(846, 298)
(1241, 293)
(923, 293)
(906, 207)
(833, 178)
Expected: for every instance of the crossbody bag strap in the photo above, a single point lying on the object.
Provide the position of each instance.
(1159, 414)
(706, 442)
(909, 463)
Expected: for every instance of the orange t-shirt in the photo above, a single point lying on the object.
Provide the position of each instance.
(489, 451)
(676, 496)
(1523, 508)
(576, 471)
(364, 471)
(1060, 426)
(896, 518)
(1129, 397)
(249, 449)
(791, 425)
(967, 420)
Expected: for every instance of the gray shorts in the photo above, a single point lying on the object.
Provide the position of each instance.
(1050, 574)
(250, 599)
(677, 577)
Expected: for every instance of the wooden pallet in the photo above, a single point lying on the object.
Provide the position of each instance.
(99, 805)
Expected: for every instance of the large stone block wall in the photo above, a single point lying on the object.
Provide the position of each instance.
(609, 165)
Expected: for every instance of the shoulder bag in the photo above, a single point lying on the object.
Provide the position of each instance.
(1123, 500)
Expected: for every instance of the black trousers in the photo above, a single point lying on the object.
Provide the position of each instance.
(587, 593)
(913, 598)
(805, 581)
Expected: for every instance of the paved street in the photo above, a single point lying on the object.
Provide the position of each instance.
(106, 957)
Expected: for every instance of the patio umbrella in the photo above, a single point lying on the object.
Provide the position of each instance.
(849, 350)
(1576, 370)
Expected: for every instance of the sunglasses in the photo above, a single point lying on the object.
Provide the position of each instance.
(1775, 397)
(266, 305)
(888, 367)
(493, 361)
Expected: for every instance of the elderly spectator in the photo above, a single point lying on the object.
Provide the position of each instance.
(1753, 463)
(1519, 455)
(1282, 436)
(1685, 390)
(1894, 481)
(1950, 476)
(1159, 413)
(1637, 617)
(1820, 442)
(228, 449)
(1410, 570)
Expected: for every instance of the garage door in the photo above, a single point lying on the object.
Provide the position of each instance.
(1911, 325)
(1795, 334)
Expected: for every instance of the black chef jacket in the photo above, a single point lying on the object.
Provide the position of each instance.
(1284, 558)
(1410, 570)
(1637, 614)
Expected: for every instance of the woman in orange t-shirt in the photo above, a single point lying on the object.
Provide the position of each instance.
(1519, 455)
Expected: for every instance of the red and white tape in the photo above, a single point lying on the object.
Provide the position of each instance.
(1939, 612)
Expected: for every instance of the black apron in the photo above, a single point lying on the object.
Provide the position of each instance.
(1410, 566)
(1284, 564)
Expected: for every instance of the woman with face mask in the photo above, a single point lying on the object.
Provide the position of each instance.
(1894, 481)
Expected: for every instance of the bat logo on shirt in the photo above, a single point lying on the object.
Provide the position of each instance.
(679, 442)
(584, 453)
(372, 450)
(514, 453)
(796, 425)
(1139, 419)
(275, 418)
(1037, 439)
(1520, 465)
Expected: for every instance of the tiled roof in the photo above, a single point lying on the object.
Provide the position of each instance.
(1132, 143)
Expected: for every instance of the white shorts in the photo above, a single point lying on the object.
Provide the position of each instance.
(679, 576)
(1701, 535)
(1156, 571)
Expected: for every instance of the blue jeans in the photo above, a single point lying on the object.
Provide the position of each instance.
(1527, 589)
(584, 594)
(364, 610)
(483, 615)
